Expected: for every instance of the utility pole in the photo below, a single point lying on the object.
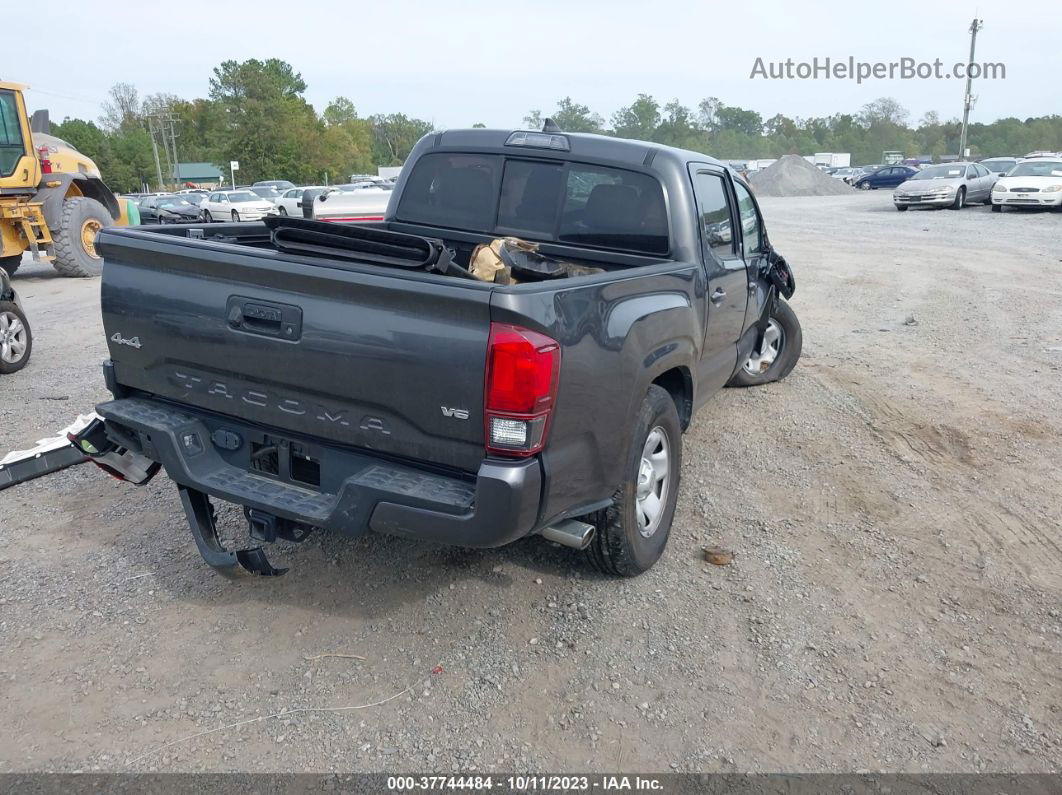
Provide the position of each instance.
(968, 99)
(155, 150)
(173, 141)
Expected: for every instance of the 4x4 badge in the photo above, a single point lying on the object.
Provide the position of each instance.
(134, 342)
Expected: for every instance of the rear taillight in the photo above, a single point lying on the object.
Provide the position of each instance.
(46, 163)
(523, 368)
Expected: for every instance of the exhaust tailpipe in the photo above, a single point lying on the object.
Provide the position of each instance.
(571, 533)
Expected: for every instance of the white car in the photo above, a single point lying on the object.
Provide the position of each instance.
(1036, 182)
(351, 206)
(235, 205)
(290, 201)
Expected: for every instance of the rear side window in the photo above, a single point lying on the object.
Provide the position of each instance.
(614, 208)
(543, 200)
(713, 206)
(452, 190)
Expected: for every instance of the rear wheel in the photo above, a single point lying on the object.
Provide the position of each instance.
(16, 341)
(630, 536)
(10, 264)
(779, 352)
(75, 239)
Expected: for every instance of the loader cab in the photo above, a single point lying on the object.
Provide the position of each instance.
(19, 169)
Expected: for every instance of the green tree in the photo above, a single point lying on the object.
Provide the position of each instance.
(394, 135)
(271, 126)
(638, 120)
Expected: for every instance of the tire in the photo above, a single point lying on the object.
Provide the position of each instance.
(997, 208)
(765, 368)
(207, 217)
(10, 264)
(864, 186)
(235, 217)
(901, 207)
(282, 210)
(16, 339)
(620, 547)
(75, 255)
(960, 199)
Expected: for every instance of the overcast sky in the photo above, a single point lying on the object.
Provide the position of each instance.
(456, 63)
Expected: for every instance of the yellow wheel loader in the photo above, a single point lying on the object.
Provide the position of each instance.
(52, 198)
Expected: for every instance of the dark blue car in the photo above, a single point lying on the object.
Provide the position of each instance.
(885, 177)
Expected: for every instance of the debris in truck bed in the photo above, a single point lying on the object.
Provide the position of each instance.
(511, 260)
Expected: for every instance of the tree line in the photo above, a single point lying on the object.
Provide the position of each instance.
(730, 132)
(256, 112)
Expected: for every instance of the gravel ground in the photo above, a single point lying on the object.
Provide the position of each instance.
(894, 602)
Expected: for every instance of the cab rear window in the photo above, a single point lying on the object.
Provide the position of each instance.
(542, 200)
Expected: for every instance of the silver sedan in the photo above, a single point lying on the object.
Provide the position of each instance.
(950, 185)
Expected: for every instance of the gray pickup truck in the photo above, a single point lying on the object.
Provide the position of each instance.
(321, 387)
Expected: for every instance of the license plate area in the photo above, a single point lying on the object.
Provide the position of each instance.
(297, 463)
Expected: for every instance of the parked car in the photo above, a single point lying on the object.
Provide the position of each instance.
(290, 201)
(999, 165)
(267, 192)
(16, 339)
(846, 174)
(1036, 182)
(308, 196)
(368, 381)
(951, 185)
(235, 205)
(884, 177)
(169, 210)
(358, 205)
(279, 184)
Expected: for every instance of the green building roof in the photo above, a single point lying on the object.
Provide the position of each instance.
(197, 172)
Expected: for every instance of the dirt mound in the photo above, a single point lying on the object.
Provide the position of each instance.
(792, 175)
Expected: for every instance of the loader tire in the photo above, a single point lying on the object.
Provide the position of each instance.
(75, 247)
(10, 264)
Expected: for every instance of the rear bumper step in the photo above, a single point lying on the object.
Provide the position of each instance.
(211, 453)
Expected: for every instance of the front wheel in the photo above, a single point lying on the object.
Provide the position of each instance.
(960, 199)
(778, 354)
(997, 208)
(207, 217)
(10, 264)
(75, 239)
(235, 217)
(630, 536)
(283, 210)
(901, 207)
(864, 186)
(16, 341)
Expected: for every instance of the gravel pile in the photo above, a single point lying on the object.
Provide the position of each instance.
(792, 175)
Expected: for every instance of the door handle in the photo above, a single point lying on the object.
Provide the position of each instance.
(718, 295)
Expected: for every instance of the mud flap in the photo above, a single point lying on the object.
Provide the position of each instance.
(231, 564)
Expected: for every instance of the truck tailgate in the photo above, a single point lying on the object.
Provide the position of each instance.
(387, 361)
